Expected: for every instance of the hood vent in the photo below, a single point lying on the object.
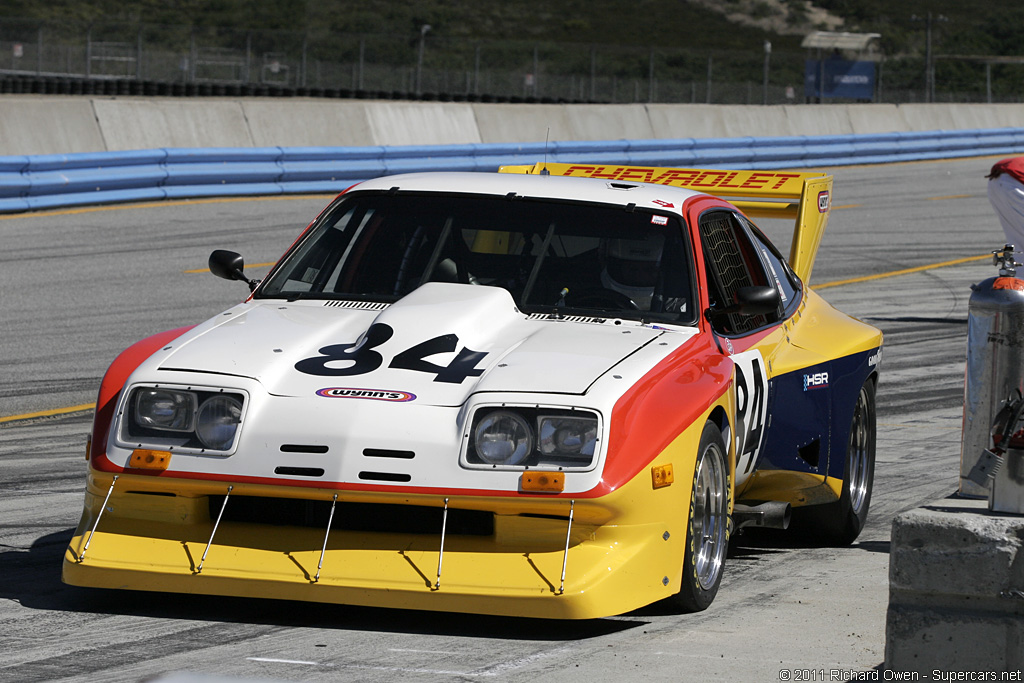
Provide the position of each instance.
(360, 305)
(570, 318)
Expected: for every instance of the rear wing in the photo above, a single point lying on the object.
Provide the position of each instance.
(804, 197)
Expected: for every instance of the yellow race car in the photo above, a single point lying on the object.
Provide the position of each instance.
(549, 392)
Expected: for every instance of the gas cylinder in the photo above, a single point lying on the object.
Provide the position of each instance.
(994, 376)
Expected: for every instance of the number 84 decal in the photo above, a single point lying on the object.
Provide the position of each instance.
(751, 410)
(362, 358)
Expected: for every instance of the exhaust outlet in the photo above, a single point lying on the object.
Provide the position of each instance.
(769, 515)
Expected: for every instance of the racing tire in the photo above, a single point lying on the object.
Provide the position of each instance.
(839, 523)
(707, 535)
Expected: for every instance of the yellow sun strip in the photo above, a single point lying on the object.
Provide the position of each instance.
(156, 205)
(49, 413)
(905, 271)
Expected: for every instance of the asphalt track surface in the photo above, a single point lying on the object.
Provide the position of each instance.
(76, 287)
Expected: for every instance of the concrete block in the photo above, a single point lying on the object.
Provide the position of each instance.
(48, 125)
(956, 589)
(422, 123)
(130, 123)
(875, 118)
(673, 121)
(609, 122)
(308, 123)
(523, 122)
(927, 117)
(818, 119)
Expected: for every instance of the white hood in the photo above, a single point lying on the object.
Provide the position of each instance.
(266, 339)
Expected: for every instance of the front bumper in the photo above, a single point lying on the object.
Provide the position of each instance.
(618, 555)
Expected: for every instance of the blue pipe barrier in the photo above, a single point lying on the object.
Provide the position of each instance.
(50, 181)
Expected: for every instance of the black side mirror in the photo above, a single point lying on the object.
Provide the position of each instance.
(230, 266)
(753, 300)
(756, 300)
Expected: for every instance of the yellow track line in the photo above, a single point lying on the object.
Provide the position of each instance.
(905, 271)
(49, 413)
(247, 265)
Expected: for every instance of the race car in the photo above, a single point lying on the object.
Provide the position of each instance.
(554, 391)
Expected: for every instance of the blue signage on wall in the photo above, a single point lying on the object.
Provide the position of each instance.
(841, 78)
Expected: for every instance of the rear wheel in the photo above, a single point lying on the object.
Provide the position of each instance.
(841, 522)
(707, 536)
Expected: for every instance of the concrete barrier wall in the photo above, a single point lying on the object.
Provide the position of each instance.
(60, 125)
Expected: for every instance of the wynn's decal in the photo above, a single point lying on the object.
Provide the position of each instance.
(824, 201)
(360, 358)
(751, 409)
(371, 394)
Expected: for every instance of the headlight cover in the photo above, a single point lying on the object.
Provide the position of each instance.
(190, 419)
(520, 437)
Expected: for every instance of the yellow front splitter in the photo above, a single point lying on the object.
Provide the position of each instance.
(518, 571)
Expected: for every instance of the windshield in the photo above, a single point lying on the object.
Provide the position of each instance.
(552, 256)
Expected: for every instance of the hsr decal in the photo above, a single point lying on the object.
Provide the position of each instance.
(751, 408)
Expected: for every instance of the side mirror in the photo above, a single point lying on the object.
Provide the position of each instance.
(753, 300)
(230, 266)
(756, 300)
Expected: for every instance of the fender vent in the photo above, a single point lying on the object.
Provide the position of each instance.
(811, 453)
(360, 305)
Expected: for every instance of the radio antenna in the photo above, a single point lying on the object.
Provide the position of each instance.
(547, 138)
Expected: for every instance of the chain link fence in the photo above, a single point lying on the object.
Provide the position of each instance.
(160, 59)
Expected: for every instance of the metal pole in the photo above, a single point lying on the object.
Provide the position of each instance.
(536, 67)
(138, 55)
(39, 51)
(650, 78)
(476, 71)
(708, 95)
(419, 62)
(593, 74)
(305, 47)
(988, 82)
(929, 91)
(362, 61)
(88, 52)
(767, 58)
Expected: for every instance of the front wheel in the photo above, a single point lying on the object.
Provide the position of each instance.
(707, 536)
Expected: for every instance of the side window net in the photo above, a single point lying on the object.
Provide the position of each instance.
(729, 269)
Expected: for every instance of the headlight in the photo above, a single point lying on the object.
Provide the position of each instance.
(521, 437)
(218, 421)
(570, 437)
(192, 418)
(503, 438)
(165, 409)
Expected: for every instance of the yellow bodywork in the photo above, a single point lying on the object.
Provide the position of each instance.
(804, 196)
(625, 549)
